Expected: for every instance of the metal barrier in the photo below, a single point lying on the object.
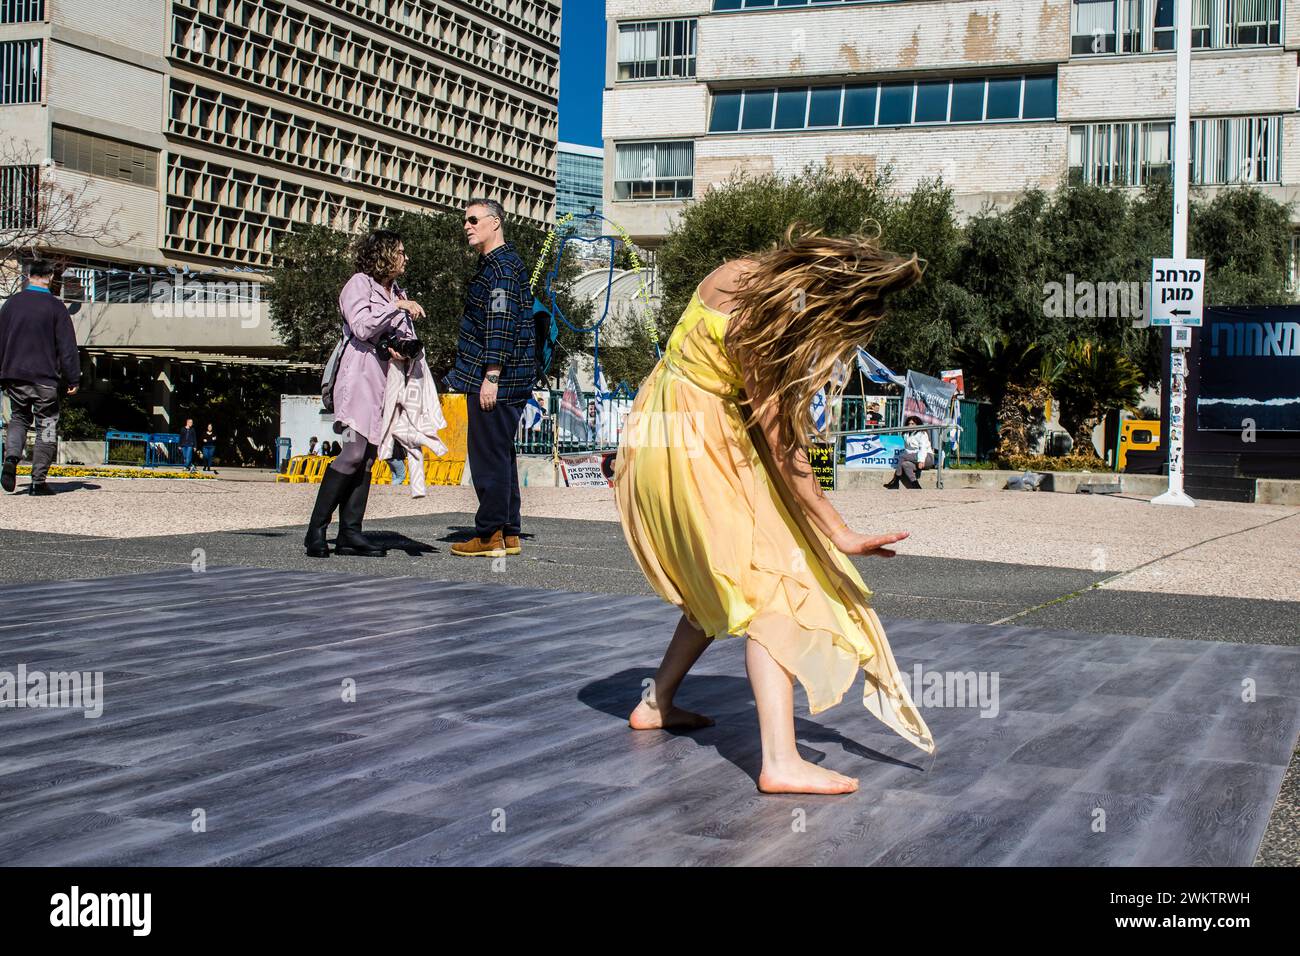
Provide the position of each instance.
(853, 411)
(541, 440)
(852, 421)
(163, 449)
(126, 448)
(149, 450)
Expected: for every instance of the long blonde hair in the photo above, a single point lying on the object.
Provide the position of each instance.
(806, 305)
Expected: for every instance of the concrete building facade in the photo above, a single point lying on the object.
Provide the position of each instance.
(579, 183)
(995, 96)
(199, 131)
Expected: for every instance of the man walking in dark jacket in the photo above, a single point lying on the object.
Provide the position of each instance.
(188, 440)
(495, 368)
(37, 346)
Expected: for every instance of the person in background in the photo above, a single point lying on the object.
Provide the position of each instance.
(495, 369)
(188, 440)
(311, 446)
(209, 448)
(917, 455)
(398, 463)
(373, 307)
(38, 347)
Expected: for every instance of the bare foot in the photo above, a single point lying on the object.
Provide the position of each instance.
(804, 777)
(646, 717)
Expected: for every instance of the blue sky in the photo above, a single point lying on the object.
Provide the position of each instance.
(582, 70)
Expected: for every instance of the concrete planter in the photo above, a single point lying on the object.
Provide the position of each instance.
(81, 452)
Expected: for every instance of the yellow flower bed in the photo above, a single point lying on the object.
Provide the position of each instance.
(113, 471)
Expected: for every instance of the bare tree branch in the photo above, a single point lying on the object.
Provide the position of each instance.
(40, 212)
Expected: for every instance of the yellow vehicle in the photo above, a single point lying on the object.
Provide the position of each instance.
(1136, 434)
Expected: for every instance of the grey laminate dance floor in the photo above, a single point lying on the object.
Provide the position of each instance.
(488, 728)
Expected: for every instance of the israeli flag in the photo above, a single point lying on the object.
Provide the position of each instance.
(875, 371)
(534, 414)
(819, 409)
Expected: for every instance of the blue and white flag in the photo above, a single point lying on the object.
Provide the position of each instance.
(534, 414)
(818, 409)
(875, 371)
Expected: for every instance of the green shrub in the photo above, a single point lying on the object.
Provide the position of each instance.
(1059, 463)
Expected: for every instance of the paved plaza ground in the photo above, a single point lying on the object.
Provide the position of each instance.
(1148, 662)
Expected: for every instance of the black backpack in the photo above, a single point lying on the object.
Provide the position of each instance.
(545, 339)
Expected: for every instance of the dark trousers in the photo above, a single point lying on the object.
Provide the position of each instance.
(908, 466)
(492, 465)
(29, 405)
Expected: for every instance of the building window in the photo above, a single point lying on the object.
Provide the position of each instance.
(992, 99)
(1239, 149)
(1148, 26)
(654, 170)
(1120, 154)
(1293, 264)
(20, 71)
(19, 197)
(22, 11)
(656, 49)
(1233, 150)
(1253, 22)
(109, 158)
(1092, 26)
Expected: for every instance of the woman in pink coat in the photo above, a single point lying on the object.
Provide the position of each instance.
(373, 305)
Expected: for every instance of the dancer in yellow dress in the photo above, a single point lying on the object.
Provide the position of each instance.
(723, 514)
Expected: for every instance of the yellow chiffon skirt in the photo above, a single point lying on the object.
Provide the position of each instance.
(717, 533)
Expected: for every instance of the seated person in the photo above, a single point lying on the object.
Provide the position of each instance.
(917, 455)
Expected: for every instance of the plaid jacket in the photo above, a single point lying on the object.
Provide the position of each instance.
(497, 328)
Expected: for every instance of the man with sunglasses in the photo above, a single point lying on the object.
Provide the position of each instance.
(495, 369)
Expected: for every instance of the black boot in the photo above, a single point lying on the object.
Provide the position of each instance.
(353, 508)
(333, 486)
(892, 482)
(9, 474)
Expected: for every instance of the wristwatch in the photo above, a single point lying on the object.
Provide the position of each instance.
(493, 377)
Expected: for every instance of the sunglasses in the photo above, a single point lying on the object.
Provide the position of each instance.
(474, 220)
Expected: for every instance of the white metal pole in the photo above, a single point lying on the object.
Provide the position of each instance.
(1182, 160)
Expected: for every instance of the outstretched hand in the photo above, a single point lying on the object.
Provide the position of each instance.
(875, 546)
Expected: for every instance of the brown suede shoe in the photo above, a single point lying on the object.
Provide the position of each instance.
(512, 544)
(493, 547)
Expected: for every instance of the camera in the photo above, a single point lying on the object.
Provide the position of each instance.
(406, 348)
